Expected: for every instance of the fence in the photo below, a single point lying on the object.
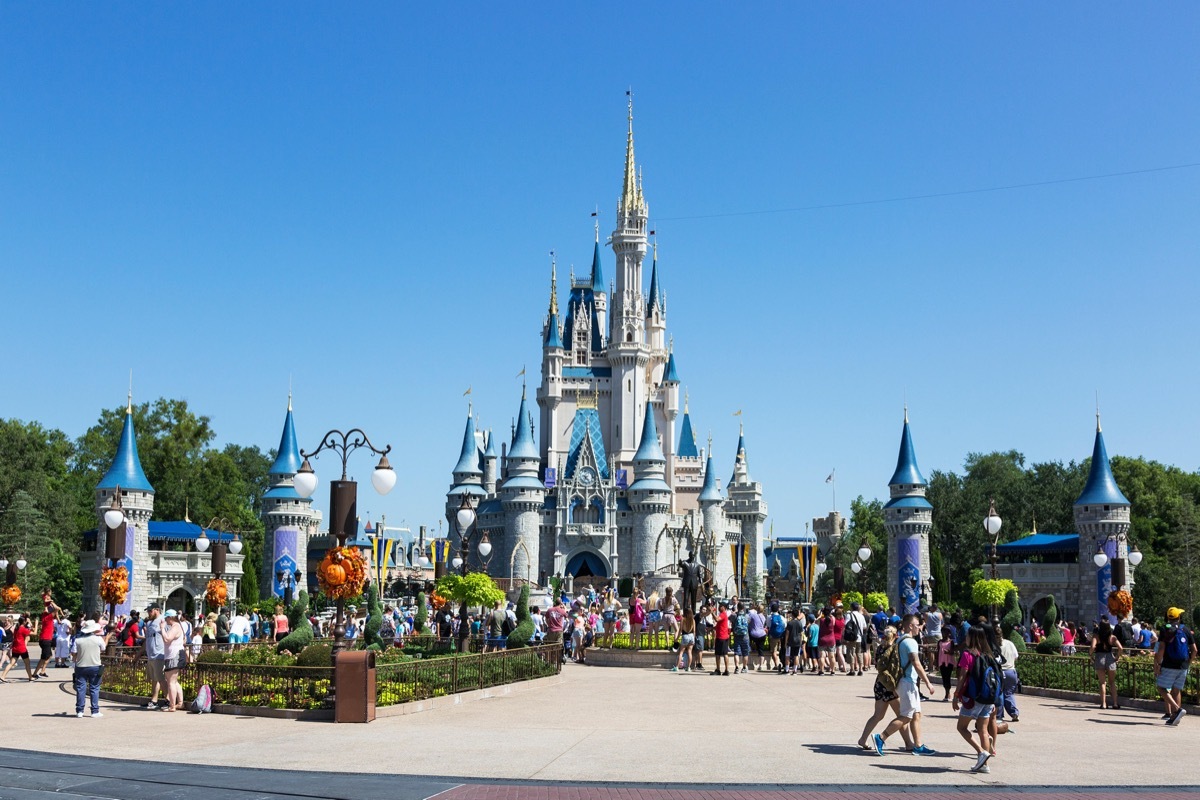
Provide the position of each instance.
(423, 641)
(1135, 676)
(435, 677)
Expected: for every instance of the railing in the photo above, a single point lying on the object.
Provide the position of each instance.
(234, 684)
(423, 640)
(436, 677)
(1135, 676)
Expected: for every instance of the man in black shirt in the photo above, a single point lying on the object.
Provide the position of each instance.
(793, 643)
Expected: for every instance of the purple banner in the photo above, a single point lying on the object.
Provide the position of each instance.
(127, 563)
(1104, 583)
(285, 558)
(909, 559)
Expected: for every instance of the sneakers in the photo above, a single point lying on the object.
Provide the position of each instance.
(1178, 715)
(922, 750)
(878, 740)
(726, 672)
(981, 762)
(79, 714)
(984, 770)
(718, 672)
(96, 715)
(674, 669)
(152, 705)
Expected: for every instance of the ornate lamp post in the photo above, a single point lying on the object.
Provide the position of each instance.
(343, 498)
(1118, 564)
(862, 556)
(991, 524)
(289, 581)
(114, 542)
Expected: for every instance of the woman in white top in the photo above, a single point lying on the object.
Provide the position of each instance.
(173, 642)
(609, 616)
(62, 640)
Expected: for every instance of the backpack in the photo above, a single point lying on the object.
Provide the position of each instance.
(777, 625)
(984, 682)
(203, 702)
(1124, 633)
(851, 631)
(741, 625)
(1180, 647)
(508, 625)
(888, 666)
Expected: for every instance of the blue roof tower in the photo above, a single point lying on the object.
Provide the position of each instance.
(907, 472)
(126, 470)
(597, 270)
(287, 460)
(687, 436)
(649, 463)
(553, 336)
(1101, 487)
(523, 456)
(709, 492)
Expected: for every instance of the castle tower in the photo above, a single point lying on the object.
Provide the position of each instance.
(522, 497)
(747, 508)
(712, 516)
(656, 314)
(550, 393)
(1102, 511)
(908, 517)
(599, 295)
(126, 476)
(649, 497)
(288, 519)
(669, 392)
(628, 352)
(490, 465)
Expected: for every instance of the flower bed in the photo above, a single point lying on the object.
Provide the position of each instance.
(1135, 676)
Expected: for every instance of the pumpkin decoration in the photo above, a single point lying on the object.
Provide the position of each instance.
(114, 585)
(1120, 604)
(342, 573)
(437, 601)
(216, 593)
(10, 595)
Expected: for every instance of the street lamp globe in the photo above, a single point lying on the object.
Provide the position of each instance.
(384, 477)
(485, 548)
(1135, 556)
(456, 562)
(235, 546)
(305, 480)
(1101, 558)
(864, 554)
(856, 567)
(3, 563)
(21, 563)
(113, 517)
(992, 522)
(464, 518)
(423, 561)
(821, 567)
(202, 541)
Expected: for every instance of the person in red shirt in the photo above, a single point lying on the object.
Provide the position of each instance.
(46, 634)
(721, 648)
(129, 636)
(20, 648)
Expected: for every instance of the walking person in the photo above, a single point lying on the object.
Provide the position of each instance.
(1172, 657)
(791, 653)
(281, 624)
(46, 634)
(912, 675)
(1105, 652)
(6, 634)
(854, 637)
(637, 618)
(173, 642)
(721, 635)
(1008, 651)
(974, 700)
(885, 690)
(62, 640)
(89, 644)
(612, 604)
(687, 640)
(776, 625)
(946, 661)
(740, 636)
(826, 641)
(20, 648)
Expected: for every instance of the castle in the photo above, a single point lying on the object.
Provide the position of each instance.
(597, 483)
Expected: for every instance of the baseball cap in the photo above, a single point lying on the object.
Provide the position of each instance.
(1174, 613)
(170, 612)
(154, 607)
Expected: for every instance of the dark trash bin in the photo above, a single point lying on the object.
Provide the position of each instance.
(355, 676)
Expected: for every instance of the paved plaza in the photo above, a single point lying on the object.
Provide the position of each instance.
(748, 736)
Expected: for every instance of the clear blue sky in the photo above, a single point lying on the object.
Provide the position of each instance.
(362, 197)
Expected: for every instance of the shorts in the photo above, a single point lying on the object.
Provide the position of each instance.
(774, 640)
(722, 647)
(654, 617)
(154, 667)
(174, 664)
(977, 711)
(741, 646)
(793, 652)
(811, 651)
(24, 656)
(883, 694)
(699, 644)
(759, 644)
(824, 649)
(687, 640)
(1172, 679)
(1106, 661)
(610, 617)
(47, 649)
(500, 641)
(910, 698)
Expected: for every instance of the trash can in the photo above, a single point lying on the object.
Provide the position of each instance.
(355, 676)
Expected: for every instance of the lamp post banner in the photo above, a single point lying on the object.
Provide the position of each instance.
(127, 563)
(909, 550)
(285, 557)
(1104, 582)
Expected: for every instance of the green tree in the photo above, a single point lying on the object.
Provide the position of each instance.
(25, 533)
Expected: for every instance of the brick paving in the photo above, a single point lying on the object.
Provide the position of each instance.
(547, 792)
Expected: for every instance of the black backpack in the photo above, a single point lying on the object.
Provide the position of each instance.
(1124, 633)
(508, 625)
(850, 632)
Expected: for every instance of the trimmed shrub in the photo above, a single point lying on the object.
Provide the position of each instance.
(301, 635)
(374, 620)
(1052, 644)
(212, 657)
(316, 655)
(421, 621)
(521, 634)
(876, 601)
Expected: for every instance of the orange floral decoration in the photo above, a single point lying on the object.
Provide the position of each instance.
(11, 594)
(114, 585)
(216, 593)
(342, 573)
(1120, 604)
(437, 601)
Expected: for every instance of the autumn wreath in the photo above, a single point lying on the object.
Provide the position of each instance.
(216, 593)
(114, 585)
(342, 573)
(1120, 604)
(10, 595)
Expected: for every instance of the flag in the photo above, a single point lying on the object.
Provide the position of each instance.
(737, 413)
(521, 373)
(830, 478)
(467, 392)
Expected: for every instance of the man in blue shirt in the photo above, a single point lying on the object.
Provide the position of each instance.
(912, 674)
(879, 621)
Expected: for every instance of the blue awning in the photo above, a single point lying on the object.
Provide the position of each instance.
(1040, 544)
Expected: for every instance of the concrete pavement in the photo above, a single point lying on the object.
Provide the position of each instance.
(643, 726)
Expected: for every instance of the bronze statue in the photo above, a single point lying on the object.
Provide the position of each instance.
(691, 580)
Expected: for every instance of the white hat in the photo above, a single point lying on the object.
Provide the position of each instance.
(89, 627)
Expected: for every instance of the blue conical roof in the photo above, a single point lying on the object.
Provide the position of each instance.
(906, 464)
(671, 373)
(523, 445)
(597, 270)
(710, 491)
(1101, 487)
(649, 449)
(490, 451)
(553, 337)
(468, 457)
(654, 301)
(287, 461)
(739, 457)
(126, 470)
(687, 439)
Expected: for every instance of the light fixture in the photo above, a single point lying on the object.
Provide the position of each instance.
(821, 567)
(423, 561)
(384, 477)
(992, 522)
(3, 563)
(235, 546)
(856, 567)
(485, 547)
(115, 514)
(1135, 556)
(21, 563)
(464, 518)
(202, 541)
(864, 553)
(305, 480)
(457, 562)
(1101, 558)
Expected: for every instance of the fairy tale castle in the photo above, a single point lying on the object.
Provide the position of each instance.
(603, 479)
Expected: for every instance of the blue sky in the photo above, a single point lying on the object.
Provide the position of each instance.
(361, 199)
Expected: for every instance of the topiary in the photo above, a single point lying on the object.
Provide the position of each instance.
(1012, 610)
(301, 635)
(876, 601)
(316, 655)
(421, 622)
(1052, 643)
(521, 634)
(374, 620)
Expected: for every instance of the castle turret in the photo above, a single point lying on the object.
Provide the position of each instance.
(1102, 519)
(747, 508)
(289, 520)
(550, 393)
(126, 477)
(490, 465)
(656, 315)
(522, 496)
(599, 294)
(712, 520)
(908, 517)
(649, 496)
